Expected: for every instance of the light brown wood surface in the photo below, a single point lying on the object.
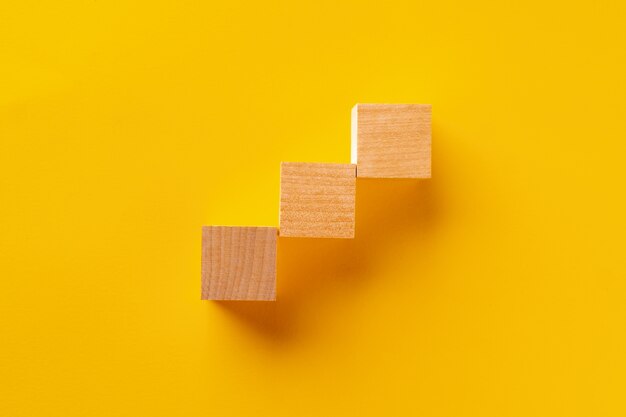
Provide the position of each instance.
(239, 263)
(317, 200)
(392, 140)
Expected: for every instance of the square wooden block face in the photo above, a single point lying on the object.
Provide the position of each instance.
(392, 140)
(239, 263)
(317, 200)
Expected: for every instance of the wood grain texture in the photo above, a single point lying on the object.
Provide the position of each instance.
(239, 263)
(317, 200)
(392, 140)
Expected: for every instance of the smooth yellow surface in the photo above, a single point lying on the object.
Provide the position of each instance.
(498, 288)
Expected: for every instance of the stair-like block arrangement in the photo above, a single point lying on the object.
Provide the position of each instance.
(317, 200)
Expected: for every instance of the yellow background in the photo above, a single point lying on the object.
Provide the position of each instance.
(496, 288)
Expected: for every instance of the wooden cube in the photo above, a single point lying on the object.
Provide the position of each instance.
(317, 200)
(391, 140)
(239, 263)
